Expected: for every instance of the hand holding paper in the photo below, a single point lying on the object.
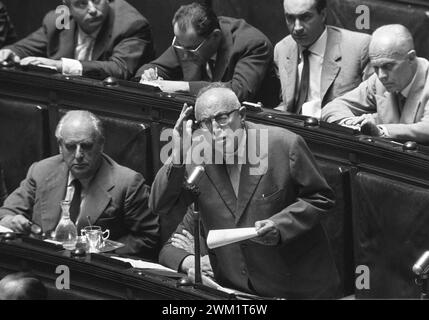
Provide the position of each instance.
(223, 237)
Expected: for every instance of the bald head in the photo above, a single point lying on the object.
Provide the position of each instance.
(81, 140)
(214, 100)
(394, 40)
(393, 57)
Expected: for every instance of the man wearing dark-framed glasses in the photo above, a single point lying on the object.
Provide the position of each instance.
(284, 201)
(207, 48)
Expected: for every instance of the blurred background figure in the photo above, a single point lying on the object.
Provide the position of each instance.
(7, 31)
(22, 286)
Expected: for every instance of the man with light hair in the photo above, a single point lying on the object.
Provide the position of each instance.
(104, 38)
(394, 102)
(109, 195)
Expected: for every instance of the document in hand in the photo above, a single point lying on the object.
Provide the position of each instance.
(223, 237)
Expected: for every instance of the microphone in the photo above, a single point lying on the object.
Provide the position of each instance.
(195, 176)
(422, 264)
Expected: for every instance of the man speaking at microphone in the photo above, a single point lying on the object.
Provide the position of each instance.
(284, 197)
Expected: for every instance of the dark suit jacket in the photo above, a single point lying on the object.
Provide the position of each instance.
(244, 60)
(7, 32)
(123, 44)
(292, 193)
(344, 65)
(117, 199)
(371, 97)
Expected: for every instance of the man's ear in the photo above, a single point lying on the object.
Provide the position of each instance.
(324, 15)
(412, 55)
(242, 112)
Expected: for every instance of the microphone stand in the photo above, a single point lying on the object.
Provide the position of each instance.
(422, 282)
(195, 192)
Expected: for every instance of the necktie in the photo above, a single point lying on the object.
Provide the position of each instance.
(305, 82)
(210, 69)
(401, 101)
(234, 176)
(76, 200)
(84, 50)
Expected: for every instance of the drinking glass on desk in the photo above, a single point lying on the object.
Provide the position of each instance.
(95, 237)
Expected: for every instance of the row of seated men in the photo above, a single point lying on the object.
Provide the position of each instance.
(374, 84)
(283, 195)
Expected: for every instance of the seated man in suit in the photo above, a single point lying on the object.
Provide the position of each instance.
(7, 31)
(112, 196)
(317, 62)
(394, 102)
(207, 48)
(104, 38)
(281, 193)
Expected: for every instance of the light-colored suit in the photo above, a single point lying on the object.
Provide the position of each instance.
(372, 97)
(344, 65)
(116, 199)
(292, 193)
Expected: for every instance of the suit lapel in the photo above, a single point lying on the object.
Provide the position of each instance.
(331, 62)
(412, 104)
(248, 184)
(98, 196)
(104, 36)
(52, 193)
(222, 183)
(249, 180)
(387, 108)
(291, 66)
(67, 41)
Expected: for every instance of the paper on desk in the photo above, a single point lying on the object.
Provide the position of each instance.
(4, 229)
(144, 264)
(219, 238)
(150, 83)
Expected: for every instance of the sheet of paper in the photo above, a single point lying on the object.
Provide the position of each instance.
(4, 229)
(223, 237)
(144, 264)
(150, 83)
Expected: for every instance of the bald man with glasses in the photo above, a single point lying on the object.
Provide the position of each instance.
(207, 48)
(282, 195)
(104, 38)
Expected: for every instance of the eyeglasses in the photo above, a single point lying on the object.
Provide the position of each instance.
(222, 119)
(182, 48)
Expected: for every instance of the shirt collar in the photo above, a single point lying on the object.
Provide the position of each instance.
(82, 35)
(318, 48)
(406, 91)
(84, 182)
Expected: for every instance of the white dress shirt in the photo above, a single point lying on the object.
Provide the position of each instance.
(313, 105)
(83, 52)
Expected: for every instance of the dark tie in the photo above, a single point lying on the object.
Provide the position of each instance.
(401, 102)
(305, 82)
(76, 200)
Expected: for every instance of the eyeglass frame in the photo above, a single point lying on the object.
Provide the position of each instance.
(193, 51)
(209, 121)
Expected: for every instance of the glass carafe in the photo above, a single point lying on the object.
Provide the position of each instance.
(66, 231)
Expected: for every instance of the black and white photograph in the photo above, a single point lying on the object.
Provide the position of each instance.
(239, 153)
